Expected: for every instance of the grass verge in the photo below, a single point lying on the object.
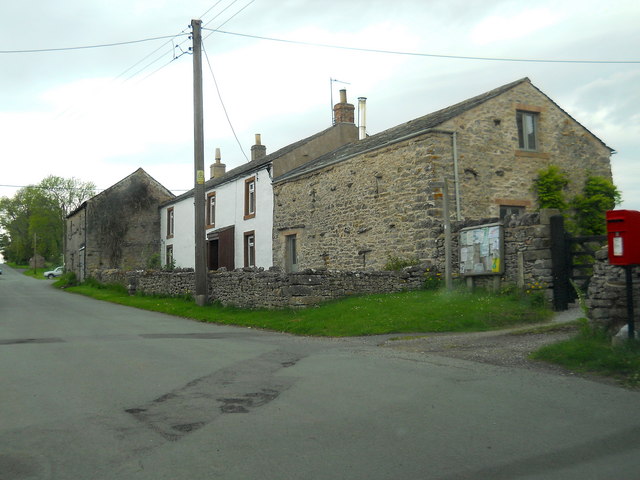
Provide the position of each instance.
(28, 271)
(408, 312)
(591, 351)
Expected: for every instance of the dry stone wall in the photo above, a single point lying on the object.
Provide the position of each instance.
(607, 295)
(257, 288)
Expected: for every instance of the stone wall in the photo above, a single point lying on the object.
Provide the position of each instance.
(607, 294)
(494, 172)
(257, 288)
(357, 214)
(527, 262)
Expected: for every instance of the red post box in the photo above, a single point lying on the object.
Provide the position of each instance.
(623, 231)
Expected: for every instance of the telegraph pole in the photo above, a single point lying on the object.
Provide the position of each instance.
(198, 133)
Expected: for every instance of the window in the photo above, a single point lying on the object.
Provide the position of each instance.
(509, 211)
(169, 256)
(250, 198)
(249, 249)
(211, 210)
(170, 222)
(291, 260)
(527, 130)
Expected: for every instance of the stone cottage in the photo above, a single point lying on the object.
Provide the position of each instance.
(239, 203)
(118, 228)
(381, 197)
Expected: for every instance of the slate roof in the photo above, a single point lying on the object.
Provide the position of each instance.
(246, 168)
(405, 130)
(139, 172)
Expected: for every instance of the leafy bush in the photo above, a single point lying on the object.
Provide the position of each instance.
(600, 195)
(65, 280)
(153, 262)
(432, 280)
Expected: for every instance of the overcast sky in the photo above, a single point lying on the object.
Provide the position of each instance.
(98, 114)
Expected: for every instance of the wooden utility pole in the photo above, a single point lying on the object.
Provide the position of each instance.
(198, 132)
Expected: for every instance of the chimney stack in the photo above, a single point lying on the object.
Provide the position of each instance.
(343, 111)
(258, 150)
(217, 169)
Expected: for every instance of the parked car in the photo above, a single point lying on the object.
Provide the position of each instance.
(56, 272)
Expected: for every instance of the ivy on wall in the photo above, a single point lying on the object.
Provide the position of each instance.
(110, 215)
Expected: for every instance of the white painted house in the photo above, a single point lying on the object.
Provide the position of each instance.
(239, 203)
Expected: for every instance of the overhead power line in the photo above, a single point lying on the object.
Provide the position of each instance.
(224, 109)
(84, 47)
(417, 54)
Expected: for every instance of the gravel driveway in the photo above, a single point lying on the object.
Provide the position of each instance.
(508, 348)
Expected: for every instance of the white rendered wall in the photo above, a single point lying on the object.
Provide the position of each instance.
(229, 211)
(183, 233)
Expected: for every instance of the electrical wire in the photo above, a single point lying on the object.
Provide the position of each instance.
(416, 54)
(215, 82)
(98, 190)
(227, 20)
(85, 47)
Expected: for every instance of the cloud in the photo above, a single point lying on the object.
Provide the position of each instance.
(500, 28)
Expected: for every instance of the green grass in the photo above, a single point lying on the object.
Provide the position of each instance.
(38, 273)
(409, 312)
(591, 351)
(28, 271)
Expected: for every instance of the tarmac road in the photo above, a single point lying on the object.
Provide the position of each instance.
(91, 390)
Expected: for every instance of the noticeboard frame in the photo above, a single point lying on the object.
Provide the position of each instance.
(481, 250)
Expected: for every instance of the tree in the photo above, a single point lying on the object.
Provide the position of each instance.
(69, 193)
(40, 210)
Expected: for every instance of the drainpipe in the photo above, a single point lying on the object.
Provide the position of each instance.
(456, 179)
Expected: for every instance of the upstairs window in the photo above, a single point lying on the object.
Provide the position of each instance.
(527, 130)
(250, 198)
(170, 222)
(211, 210)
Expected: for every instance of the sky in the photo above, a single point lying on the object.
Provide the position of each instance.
(98, 114)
